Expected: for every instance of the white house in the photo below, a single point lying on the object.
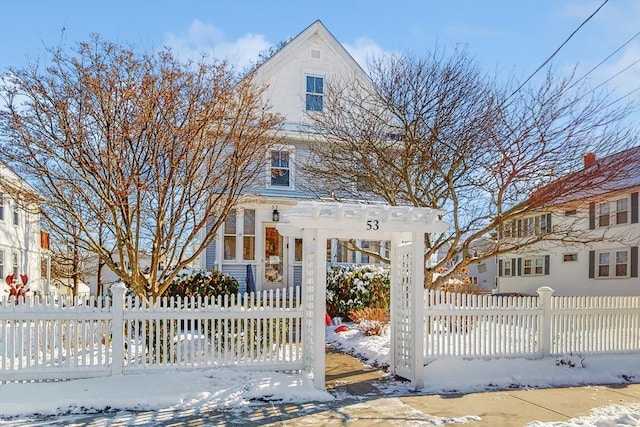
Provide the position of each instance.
(606, 218)
(249, 246)
(23, 247)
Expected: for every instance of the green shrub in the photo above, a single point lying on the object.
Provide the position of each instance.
(203, 284)
(356, 287)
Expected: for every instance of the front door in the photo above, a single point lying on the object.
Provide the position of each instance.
(273, 258)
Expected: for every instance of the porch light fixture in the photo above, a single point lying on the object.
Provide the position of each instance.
(275, 214)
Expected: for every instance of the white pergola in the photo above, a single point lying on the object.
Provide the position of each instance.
(404, 227)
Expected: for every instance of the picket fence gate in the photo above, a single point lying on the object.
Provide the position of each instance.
(489, 326)
(43, 340)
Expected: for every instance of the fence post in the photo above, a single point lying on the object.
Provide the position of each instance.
(117, 328)
(545, 293)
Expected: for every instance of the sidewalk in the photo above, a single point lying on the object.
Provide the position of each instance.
(500, 408)
(364, 396)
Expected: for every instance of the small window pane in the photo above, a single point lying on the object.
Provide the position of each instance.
(230, 248)
(250, 222)
(230, 223)
(249, 248)
(298, 250)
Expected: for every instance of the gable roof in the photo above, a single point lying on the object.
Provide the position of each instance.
(316, 28)
(616, 172)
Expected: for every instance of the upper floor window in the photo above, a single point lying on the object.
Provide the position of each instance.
(614, 212)
(280, 168)
(15, 214)
(622, 211)
(1, 206)
(314, 93)
(603, 214)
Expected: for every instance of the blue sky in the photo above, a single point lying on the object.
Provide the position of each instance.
(510, 38)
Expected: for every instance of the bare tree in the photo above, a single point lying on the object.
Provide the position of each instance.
(142, 152)
(438, 133)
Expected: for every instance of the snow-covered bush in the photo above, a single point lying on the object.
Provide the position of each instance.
(357, 286)
(203, 284)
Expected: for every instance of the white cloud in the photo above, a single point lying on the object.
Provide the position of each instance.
(206, 39)
(364, 50)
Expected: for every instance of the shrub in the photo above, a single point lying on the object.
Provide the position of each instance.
(203, 284)
(355, 287)
(370, 321)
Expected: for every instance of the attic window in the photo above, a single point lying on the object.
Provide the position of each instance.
(315, 53)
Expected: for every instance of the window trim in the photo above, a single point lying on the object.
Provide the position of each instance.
(290, 149)
(308, 94)
(534, 266)
(612, 264)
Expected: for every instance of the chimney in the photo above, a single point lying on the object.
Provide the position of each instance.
(589, 160)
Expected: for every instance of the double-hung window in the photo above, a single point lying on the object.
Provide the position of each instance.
(603, 214)
(281, 174)
(249, 235)
(613, 263)
(533, 266)
(314, 93)
(507, 268)
(622, 211)
(14, 263)
(230, 236)
(239, 236)
(1, 206)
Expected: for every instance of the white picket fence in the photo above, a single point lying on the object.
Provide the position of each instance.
(489, 326)
(42, 340)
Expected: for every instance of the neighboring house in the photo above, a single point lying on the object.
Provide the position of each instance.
(107, 276)
(24, 249)
(249, 246)
(607, 218)
(481, 274)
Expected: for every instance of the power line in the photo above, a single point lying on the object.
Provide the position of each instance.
(558, 49)
(607, 58)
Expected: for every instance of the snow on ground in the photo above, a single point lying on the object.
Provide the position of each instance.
(238, 388)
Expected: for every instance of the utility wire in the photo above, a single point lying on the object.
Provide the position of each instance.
(606, 59)
(558, 49)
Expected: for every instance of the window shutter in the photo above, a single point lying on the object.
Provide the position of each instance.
(499, 268)
(634, 208)
(592, 216)
(547, 261)
(513, 266)
(548, 223)
(519, 228)
(592, 264)
(634, 259)
(519, 267)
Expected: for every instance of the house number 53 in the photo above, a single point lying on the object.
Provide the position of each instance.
(372, 224)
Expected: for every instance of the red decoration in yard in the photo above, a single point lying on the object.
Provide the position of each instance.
(327, 319)
(24, 279)
(341, 328)
(9, 279)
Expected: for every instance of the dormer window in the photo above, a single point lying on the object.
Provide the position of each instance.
(314, 93)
